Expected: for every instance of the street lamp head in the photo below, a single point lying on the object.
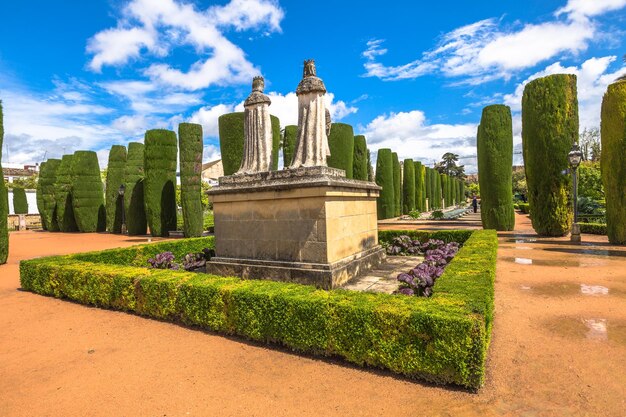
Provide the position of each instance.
(575, 156)
(121, 190)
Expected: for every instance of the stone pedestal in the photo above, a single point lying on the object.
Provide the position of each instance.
(305, 225)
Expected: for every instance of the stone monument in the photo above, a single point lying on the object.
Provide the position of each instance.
(257, 125)
(308, 223)
(313, 121)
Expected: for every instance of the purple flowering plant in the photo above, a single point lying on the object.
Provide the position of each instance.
(164, 260)
(420, 280)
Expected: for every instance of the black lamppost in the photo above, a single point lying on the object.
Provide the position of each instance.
(121, 192)
(575, 156)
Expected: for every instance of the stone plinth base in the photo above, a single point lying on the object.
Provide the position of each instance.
(307, 225)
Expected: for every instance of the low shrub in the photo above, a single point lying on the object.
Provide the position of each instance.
(593, 228)
(524, 208)
(415, 214)
(436, 215)
(442, 339)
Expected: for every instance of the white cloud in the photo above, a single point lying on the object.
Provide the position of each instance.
(593, 80)
(485, 50)
(207, 116)
(147, 98)
(159, 27)
(411, 136)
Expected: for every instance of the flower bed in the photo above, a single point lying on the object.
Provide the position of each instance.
(442, 339)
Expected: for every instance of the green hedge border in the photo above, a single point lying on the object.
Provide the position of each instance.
(593, 228)
(442, 339)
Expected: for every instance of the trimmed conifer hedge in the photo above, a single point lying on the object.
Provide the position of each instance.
(423, 187)
(384, 178)
(341, 144)
(370, 168)
(231, 132)
(4, 202)
(20, 203)
(549, 128)
(445, 190)
(87, 193)
(427, 186)
(439, 186)
(613, 161)
(408, 185)
(4, 225)
(495, 161)
(275, 142)
(39, 197)
(160, 155)
(359, 166)
(397, 185)
(419, 182)
(191, 146)
(47, 180)
(115, 178)
(63, 195)
(289, 144)
(136, 222)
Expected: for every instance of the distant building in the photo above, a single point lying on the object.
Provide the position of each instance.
(11, 172)
(211, 171)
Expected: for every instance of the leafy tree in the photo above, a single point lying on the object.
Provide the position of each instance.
(520, 188)
(590, 144)
(448, 165)
(590, 180)
(28, 183)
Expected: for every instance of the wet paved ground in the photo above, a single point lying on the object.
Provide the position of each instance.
(383, 279)
(558, 349)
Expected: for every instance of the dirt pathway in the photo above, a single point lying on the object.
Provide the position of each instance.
(558, 349)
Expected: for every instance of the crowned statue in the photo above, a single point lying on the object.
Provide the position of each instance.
(257, 125)
(313, 121)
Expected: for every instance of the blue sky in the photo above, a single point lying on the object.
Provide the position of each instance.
(412, 77)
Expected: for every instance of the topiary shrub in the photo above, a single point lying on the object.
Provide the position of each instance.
(428, 187)
(4, 225)
(549, 128)
(190, 145)
(4, 203)
(39, 198)
(419, 186)
(20, 203)
(613, 161)
(87, 192)
(408, 205)
(423, 187)
(115, 178)
(47, 180)
(359, 165)
(231, 141)
(384, 178)
(341, 144)
(444, 190)
(63, 195)
(275, 142)
(231, 132)
(136, 222)
(289, 143)
(495, 161)
(160, 183)
(397, 185)
(370, 168)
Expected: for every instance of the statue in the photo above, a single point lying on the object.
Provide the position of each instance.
(313, 121)
(257, 125)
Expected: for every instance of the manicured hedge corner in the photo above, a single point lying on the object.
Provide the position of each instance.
(442, 339)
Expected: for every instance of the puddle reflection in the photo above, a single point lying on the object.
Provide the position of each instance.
(598, 329)
(523, 261)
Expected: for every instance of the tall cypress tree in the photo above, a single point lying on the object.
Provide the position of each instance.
(419, 180)
(341, 144)
(359, 170)
(63, 195)
(47, 180)
(384, 178)
(409, 186)
(4, 202)
(613, 161)
(160, 154)
(397, 185)
(549, 128)
(290, 137)
(115, 178)
(136, 222)
(87, 192)
(190, 146)
(495, 161)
